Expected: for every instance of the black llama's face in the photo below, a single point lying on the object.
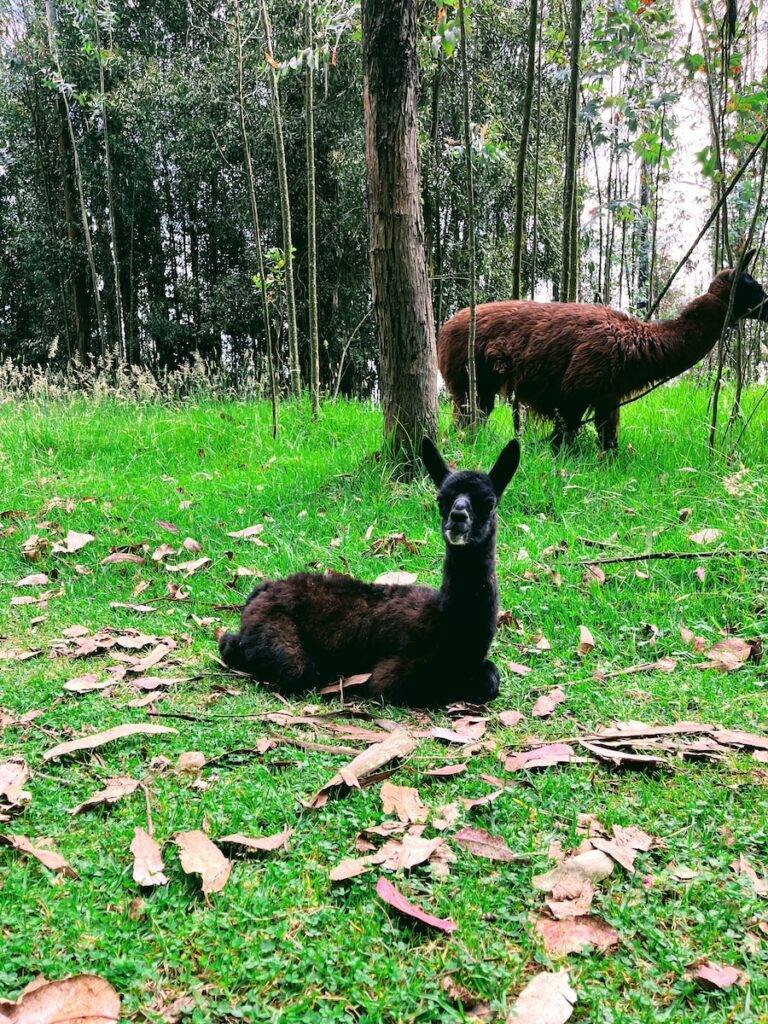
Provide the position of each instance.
(750, 301)
(468, 500)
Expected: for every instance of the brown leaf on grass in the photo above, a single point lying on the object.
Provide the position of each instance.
(189, 567)
(623, 758)
(258, 844)
(390, 895)
(148, 867)
(119, 557)
(34, 547)
(737, 738)
(469, 803)
(154, 657)
(447, 771)
(13, 777)
(249, 533)
(72, 542)
(662, 665)
(83, 999)
(742, 867)
(15, 654)
(406, 853)
(190, 762)
(476, 1010)
(449, 736)
(728, 655)
(348, 868)
(404, 801)
(483, 844)
(575, 934)
(445, 816)
(150, 698)
(387, 545)
(162, 551)
(397, 745)
(98, 739)
(625, 731)
(712, 976)
(571, 883)
(165, 525)
(396, 579)
(547, 999)
(73, 632)
(586, 642)
(689, 637)
(622, 853)
(593, 574)
(706, 536)
(510, 718)
(48, 858)
(547, 702)
(199, 856)
(518, 670)
(115, 789)
(191, 545)
(542, 757)
(37, 579)
(88, 684)
(142, 609)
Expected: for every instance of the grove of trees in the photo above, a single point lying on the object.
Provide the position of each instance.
(188, 179)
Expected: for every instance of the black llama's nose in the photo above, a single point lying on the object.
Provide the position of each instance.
(459, 513)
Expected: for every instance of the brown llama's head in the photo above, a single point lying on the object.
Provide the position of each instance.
(467, 499)
(750, 301)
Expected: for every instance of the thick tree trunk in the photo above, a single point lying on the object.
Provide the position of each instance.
(568, 272)
(314, 338)
(406, 330)
(522, 154)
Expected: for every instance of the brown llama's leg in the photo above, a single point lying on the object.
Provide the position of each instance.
(272, 652)
(607, 424)
(421, 682)
(567, 423)
(516, 414)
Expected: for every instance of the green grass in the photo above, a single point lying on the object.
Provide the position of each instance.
(280, 943)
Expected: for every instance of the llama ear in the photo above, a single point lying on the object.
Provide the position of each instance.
(747, 260)
(434, 462)
(505, 466)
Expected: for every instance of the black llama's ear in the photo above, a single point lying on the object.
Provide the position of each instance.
(747, 260)
(505, 466)
(434, 462)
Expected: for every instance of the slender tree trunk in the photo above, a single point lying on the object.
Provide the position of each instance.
(655, 226)
(51, 12)
(536, 152)
(285, 206)
(472, 333)
(314, 338)
(406, 330)
(522, 153)
(120, 347)
(254, 214)
(567, 276)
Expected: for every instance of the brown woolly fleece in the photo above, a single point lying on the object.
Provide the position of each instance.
(561, 359)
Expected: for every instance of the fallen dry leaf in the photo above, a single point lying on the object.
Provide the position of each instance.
(519, 670)
(34, 547)
(390, 895)
(48, 858)
(476, 1010)
(593, 574)
(142, 609)
(98, 739)
(148, 864)
(510, 718)
(190, 762)
(576, 933)
(120, 557)
(115, 789)
(709, 975)
(483, 844)
(662, 665)
(189, 567)
(705, 536)
(72, 542)
(13, 776)
(586, 642)
(622, 758)
(541, 757)
(87, 683)
(547, 999)
(447, 771)
(547, 702)
(728, 655)
(469, 803)
(83, 999)
(406, 853)
(191, 545)
(396, 579)
(742, 867)
(258, 844)
(350, 868)
(248, 533)
(398, 744)
(404, 801)
(37, 579)
(199, 856)
(570, 884)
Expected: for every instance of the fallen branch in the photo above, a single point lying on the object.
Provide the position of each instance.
(658, 555)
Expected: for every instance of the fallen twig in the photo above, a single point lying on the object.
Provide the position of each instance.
(658, 555)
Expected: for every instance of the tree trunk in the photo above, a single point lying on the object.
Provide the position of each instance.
(285, 207)
(314, 338)
(536, 152)
(568, 275)
(522, 153)
(472, 332)
(406, 330)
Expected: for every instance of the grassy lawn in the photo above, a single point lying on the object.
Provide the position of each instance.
(280, 942)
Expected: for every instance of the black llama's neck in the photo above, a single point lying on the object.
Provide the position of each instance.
(470, 594)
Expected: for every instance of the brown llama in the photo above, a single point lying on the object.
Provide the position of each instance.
(421, 646)
(563, 358)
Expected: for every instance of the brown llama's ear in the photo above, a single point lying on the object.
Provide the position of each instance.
(433, 461)
(505, 466)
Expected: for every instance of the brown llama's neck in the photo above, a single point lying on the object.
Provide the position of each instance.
(669, 347)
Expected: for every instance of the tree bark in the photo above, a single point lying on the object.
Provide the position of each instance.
(406, 330)
(472, 332)
(314, 338)
(568, 274)
(522, 153)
